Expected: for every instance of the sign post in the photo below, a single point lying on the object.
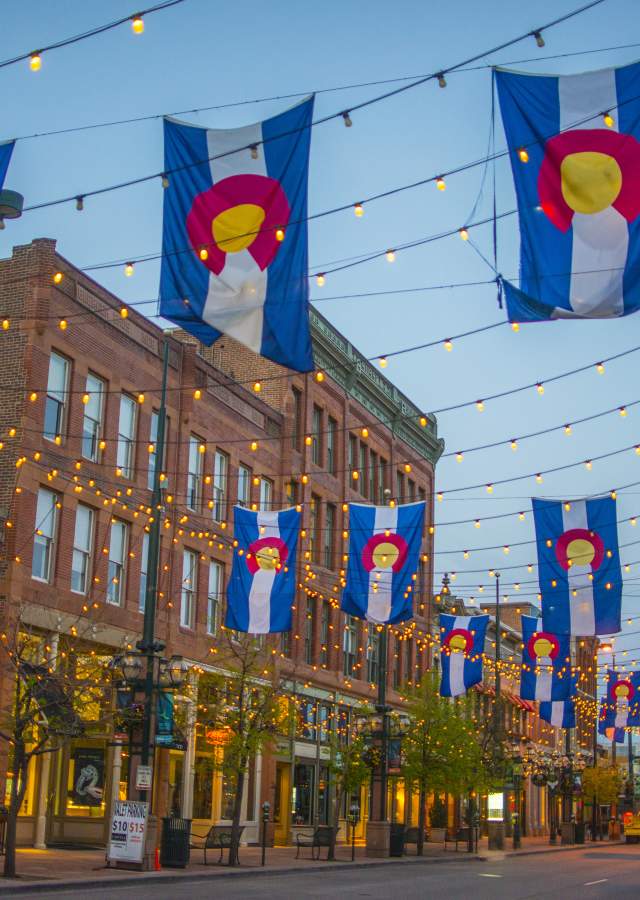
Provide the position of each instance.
(127, 835)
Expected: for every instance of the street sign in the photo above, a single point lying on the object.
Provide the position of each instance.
(143, 778)
(128, 831)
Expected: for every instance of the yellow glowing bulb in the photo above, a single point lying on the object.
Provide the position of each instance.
(128, 269)
(540, 388)
(515, 326)
(203, 253)
(137, 25)
(623, 411)
(391, 255)
(57, 278)
(539, 478)
(514, 444)
(567, 429)
(464, 234)
(124, 313)
(197, 394)
(319, 377)
(355, 475)
(358, 210)
(254, 445)
(600, 368)
(85, 399)
(257, 387)
(320, 279)
(280, 235)
(480, 405)
(440, 496)
(440, 183)
(308, 440)
(608, 120)
(459, 456)
(521, 516)
(477, 523)
(140, 398)
(448, 345)
(407, 467)
(489, 489)
(5, 324)
(523, 156)
(383, 362)
(63, 324)
(423, 421)
(588, 465)
(33, 396)
(365, 432)
(35, 62)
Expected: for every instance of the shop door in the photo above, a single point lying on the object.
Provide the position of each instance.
(282, 807)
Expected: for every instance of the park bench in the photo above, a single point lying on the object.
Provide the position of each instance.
(461, 836)
(320, 837)
(217, 838)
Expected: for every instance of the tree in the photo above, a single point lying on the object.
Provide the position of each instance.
(349, 769)
(603, 784)
(41, 711)
(440, 750)
(243, 705)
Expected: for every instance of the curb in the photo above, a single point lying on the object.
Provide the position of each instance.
(566, 849)
(84, 884)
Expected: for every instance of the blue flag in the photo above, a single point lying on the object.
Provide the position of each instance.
(623, 697)
(262, 586)
(234, 247)
(606, 722)
(384, 546)
(462, 647)
(574, 144)
(6, 149)
(561, 713)
(546, 663)
(578, 566)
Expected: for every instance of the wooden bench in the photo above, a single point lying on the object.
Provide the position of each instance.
(461, 836)
(321, 836)
(217, 838)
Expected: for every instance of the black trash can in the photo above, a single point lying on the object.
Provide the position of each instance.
(396, 840)
(580, 832)
(174, 846)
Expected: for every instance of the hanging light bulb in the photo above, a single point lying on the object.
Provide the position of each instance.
(539, 478)
(442, 81)
(63, 324)
(480, 405)
(197, 394)
(523, 155)
(203, 253)
(128, 269)
(346, 118)
(600, 368)
(489, 489)
(588, 465)
(257, 387)
(515, 326)
(540, 387)
(254, 151)
(608, 120)
(464, 234)
(391, 255)
(440, 183)
(79, 203)
(448, 345)
(164, 180)
(280, 235)
(358, 210)
(514, 444)
(320, 279)
(124, 312)
(57, 278)
(459, 456)
(623, 411)
(137, 24)
(567, 429)
(35, 61)
(383, 362)
(539, 39)
(6, 324)
(476, 524)
(319, 377)
(521, 516)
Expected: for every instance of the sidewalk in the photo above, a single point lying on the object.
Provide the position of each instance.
(41, 871)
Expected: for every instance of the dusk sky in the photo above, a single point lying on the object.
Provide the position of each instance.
(202, 53)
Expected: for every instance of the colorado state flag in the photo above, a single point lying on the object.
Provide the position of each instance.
(578, 565)
(263, 578)
(462, 647)
(561, 713)
(384, 546)
(546, 663)
(623, 699)
(234, 246)
(606, 723)
(6, 149)
(575, 155)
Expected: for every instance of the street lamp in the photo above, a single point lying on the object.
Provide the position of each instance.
(380, 726)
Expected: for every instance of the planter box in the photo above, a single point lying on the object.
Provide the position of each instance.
(437, 835)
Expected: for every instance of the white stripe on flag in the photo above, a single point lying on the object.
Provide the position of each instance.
(456, 662)
(600, 240)
(622, 714)
(379, 600)
(235, 300)
(557, 713)
(262, 584)
(544, 679)
(581, 609)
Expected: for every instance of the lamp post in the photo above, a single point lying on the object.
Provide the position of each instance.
(354, 818)
(266, 807)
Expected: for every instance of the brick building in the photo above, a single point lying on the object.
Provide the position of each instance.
(80, 385)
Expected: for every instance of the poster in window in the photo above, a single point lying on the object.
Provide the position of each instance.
(88, 776)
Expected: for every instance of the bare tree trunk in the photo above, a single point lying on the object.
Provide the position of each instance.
(422, 802)
(331, 853)
(18, 788)
(234, 858)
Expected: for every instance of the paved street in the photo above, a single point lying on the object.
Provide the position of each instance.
(590, 873)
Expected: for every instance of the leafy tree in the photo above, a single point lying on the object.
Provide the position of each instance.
(242, 703)
(603, 784)
(349, 768)
(441, 752)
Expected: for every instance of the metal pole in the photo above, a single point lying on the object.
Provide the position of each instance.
(630, 748)
(147, 645)
(594, 810)
(382, 709)
(498, 717)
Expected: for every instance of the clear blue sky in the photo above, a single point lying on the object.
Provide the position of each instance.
(203, 53)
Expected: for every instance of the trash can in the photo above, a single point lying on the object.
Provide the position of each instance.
(580, 832)
(174, 845)
(4, 812)
(396, 840)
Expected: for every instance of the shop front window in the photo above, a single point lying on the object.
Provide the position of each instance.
(203, 778)
(302, 794)
(323, 796)
(228, 796)
(86, 772)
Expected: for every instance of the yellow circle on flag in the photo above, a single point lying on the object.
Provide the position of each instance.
(236, 228)
(268, 558)
(621, 690)
(580, 552)
(458, 642)
(543, 646)
(590, 181)
(385, 555)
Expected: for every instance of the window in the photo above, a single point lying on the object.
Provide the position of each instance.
(214, 596)
(285, 643)
(82, 547)
(329, 528)
(373, 471)
(324, 633)
(373, 657)
(397, 665)
(126, 435)
(308, 630)
(353, 451)
(412, 490)
(407, 662)
(244, 485)
(302, 793)
(220, 474)
(194, 474)
(45, 535)
(92, 422)
(382, 479)
(296, 430)
(316, 436)
(422, 494)
(314, 521)
(292, 492)
(117, 558)
(332, 427)
(349, 645)
(362, 467)
(266, 494)
(57, 395)
(399, 487)
(189, 588)
(153, 442)
(144, 572)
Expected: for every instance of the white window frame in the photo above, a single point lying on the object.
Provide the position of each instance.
(244, 485)
(82, 554)
(153, 440)
(45, 532)
(220, 482)
(92, 421)
(188, 588)
(127, 441)
(266, 494)
(350, 646)
(195, 468)
(144, 572)
(117, 567)
(214, 595)
(58, 397)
